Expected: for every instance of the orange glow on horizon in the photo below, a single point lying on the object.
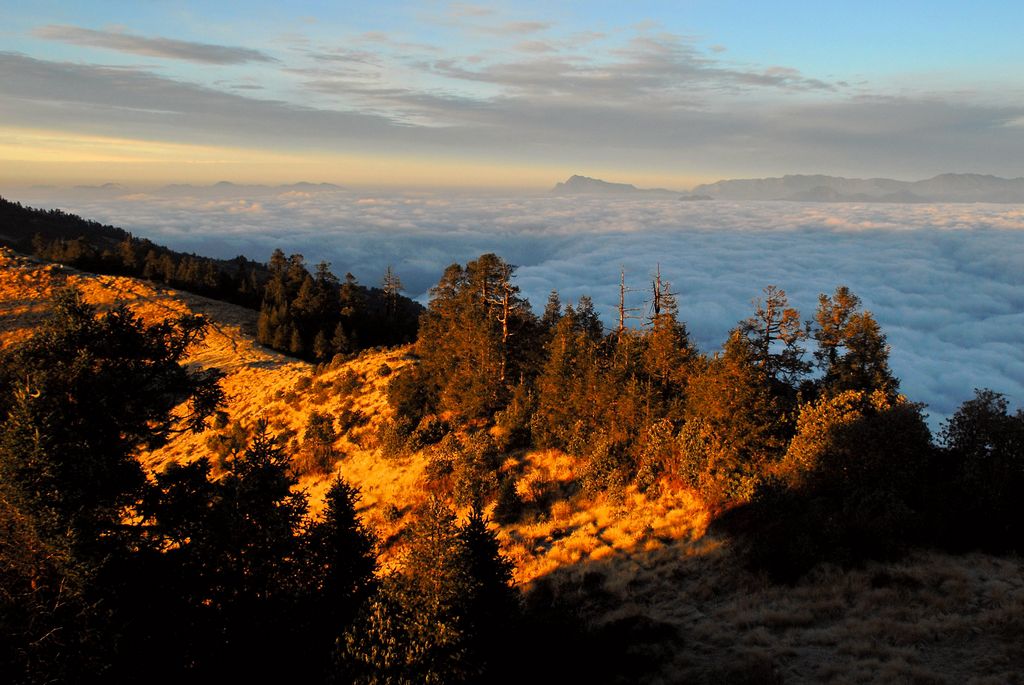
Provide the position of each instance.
(30, 156)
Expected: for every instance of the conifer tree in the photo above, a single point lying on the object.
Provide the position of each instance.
(476, 338)
(86, 392)
(774, 324)
(852, 351)
(77, 402)
(734, 425)
(552, 312)
(435, 621)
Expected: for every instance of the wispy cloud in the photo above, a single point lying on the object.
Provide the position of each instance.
(516, 27)
(465, 9)
(119, 101)
(167, 48)
(653, 106)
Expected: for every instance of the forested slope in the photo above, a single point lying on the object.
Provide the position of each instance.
(531, 488)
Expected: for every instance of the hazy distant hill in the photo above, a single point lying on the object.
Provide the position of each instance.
(584, 185)
(228, 189)
(818, 188)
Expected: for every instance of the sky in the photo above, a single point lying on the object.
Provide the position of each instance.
(509, 95)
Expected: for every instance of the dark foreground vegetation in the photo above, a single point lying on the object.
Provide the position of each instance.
(109, 576)
(794, 432)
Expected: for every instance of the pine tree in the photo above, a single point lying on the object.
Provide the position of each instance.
(734, 423)
(392, 286)
(338, 575)
(476, 338)
(77, 402)
(86, 392)
(775, 322)
(552, 312)
(437, 620)
(852, 351)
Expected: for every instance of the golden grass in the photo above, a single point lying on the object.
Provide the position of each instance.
(932, 618)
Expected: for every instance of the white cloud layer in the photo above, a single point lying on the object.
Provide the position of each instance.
(946, 282)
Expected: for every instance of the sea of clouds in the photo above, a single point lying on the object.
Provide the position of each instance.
(945, 281)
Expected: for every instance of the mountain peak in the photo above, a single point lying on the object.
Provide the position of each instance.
(585, 184)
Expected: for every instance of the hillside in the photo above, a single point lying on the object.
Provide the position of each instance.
(645, 565)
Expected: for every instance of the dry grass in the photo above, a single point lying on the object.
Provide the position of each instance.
(929, 619)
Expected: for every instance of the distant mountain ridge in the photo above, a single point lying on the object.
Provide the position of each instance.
(821, 188)
(228, 189)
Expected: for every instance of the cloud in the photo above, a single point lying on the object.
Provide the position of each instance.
(167, 48)
(132, 102)
(626, 99)
(517, 27)
(463, 9)
(946, 282)
(536, 46)
(662, 67)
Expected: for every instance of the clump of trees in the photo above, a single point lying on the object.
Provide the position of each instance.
(638, 404)
(446, 616)
(315, 316)
(796, 429)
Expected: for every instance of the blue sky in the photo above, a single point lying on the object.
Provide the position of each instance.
(508, 94)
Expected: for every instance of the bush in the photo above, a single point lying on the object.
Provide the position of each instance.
(658, 454)
(513, 423)
(320, 391)
(608, 470)
(307, 462)
(854, 485)
(390, 440)
(463, 468)
(317, 454)
(229, 441)
(694, 446)
(391, 513)
(407, 395)
(430, 431)
(351, 418)
(347, 382)
(441, 462)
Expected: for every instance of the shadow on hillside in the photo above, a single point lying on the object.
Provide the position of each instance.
(25, 305)
(272, 364)
(641, 605)
(693, 611)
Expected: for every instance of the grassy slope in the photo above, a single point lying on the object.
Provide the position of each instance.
(928, 618)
